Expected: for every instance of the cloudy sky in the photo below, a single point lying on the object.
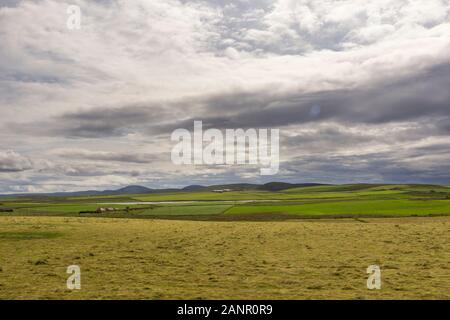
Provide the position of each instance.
(360, 89)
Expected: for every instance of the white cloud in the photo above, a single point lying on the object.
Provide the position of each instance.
(11, 161)
(171, 56)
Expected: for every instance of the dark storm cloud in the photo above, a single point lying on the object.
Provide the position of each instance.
(132, 157)
(444, 125)
(383, 167)
(9, 3)
(97, 123)
(424, 96)
(103, 122)
(325, 138)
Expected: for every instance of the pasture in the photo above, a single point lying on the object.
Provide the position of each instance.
(301, 243)
(307, 202)
(165, 259)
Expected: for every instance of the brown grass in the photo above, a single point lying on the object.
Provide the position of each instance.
(162, 259)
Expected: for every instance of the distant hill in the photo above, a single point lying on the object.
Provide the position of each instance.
(271, 186)
(278, 186)
(130, 190)
(234, 187)
(134, 189)
(194, 188)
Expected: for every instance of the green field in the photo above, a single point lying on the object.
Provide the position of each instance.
(381, 208)
(363, 200)
(185, 210)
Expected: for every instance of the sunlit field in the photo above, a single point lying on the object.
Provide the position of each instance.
(307, 202)
(162, 259)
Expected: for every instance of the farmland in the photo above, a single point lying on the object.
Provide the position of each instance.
(166, 259)
(299, 243)
(307, 202)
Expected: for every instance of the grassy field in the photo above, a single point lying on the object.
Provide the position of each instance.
(232, 251)
(186, 210)
(308, 202)
(164, 259)
(352, 208)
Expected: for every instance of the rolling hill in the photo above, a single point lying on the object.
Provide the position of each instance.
(135, 189)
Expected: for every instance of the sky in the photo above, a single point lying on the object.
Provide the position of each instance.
(359, 89)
